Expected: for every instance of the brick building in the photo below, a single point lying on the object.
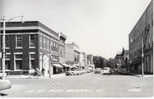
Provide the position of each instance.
(140, 37)
(30, 45)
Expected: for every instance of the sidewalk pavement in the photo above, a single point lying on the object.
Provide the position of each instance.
(139, 75)
(35, 77)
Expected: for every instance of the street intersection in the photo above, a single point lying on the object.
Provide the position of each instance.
(86, 85)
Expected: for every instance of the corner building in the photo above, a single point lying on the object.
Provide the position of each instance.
(30, 45)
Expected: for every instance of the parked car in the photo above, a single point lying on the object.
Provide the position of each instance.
(69, 73)
(75, 72)
(106, 70)
(97, 71)
(88, 71)
(4, 84)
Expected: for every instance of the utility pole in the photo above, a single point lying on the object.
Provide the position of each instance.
(3, 49)
(142, 57)
(4, 42)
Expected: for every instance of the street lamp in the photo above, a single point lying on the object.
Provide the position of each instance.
(3, 42)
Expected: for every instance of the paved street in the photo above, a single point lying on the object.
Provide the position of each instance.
(83, 85)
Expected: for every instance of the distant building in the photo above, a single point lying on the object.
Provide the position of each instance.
(83, 60)
(142, 34)
(62, 48)
(90, 61)
(32, 45)
(72, 53)
(122, 60)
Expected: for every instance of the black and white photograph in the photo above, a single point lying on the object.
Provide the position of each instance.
(76, 48)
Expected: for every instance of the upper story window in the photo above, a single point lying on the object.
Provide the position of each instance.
(47, 41)
(51, 45)
(32, 41)
(40, 41)
(19, 39)
(43, 42)
(7, 41)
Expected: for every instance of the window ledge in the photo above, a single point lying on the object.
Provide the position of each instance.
(19, 47)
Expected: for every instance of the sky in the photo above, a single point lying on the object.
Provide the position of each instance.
(99, 27)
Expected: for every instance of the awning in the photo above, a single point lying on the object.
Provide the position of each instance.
(58, 65)
(65, 65)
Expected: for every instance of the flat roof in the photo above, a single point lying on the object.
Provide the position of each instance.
(37, 24)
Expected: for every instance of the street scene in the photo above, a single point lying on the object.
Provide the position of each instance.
(72, 48)
(87, 85)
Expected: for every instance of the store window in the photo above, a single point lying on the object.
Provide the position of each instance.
(18, 61)
(32, 60)
(7, 61)
(7, 64)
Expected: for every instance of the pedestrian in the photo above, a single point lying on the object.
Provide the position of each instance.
(43, 71)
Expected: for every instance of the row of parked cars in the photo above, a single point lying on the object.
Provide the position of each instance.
(77, 72)
(105, 70)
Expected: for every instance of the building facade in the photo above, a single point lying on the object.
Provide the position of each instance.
(72, 53)
(83, 60)
(62, 48)
(141, 42)
(29, 46)
(90, 61)
(122, 61)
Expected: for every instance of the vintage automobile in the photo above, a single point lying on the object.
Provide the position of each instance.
(97, 71)
(4, 83)
(75, 72)
(68, 73)
(106, 70)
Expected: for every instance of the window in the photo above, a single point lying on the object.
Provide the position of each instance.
(31, 60)
(7, 41)
(41, 41)
(47, 42)
(18, 64)
(18, 61)
(7, 65)
(32, 41)
(7, 56)
(7, 61)
(19, 41)
(51, 45)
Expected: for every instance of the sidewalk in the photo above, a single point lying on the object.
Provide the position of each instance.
(139, 75)
(35, 77)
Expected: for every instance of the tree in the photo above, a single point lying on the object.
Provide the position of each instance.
(99, 61)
